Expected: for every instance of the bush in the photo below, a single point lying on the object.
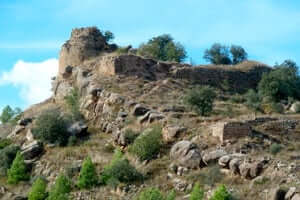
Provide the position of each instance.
(253, 100)
(4, 143)
(109, 36)
(197, 193)
(18, 170)
(277, 107)
(38, 190)
(163, 48)
(119, 171)
(130, 136)
(61, 189)
(238, 54)
(237, 99)
(151, 194)
(51, 127)
(7, 156)
(147, 145)
(281, 83)
(171, 195)
(73, 102)
(88, 176)
(221, 193)
(275, 148)
(201, 100)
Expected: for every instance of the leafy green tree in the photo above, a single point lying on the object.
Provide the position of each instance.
(163, 48)
(10, 115)
(217, 54)
(108, 36)
(221, 193)
(151, 194)
(88, 176)
(147, 145)
(281, 83)
(238, 54)
(201, 100)
(197, 193)
(38, 190)
(61, 189)
(7, 156)
(18, 170)
(51, 127)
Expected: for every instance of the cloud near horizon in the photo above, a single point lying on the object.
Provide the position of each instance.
(33, 79)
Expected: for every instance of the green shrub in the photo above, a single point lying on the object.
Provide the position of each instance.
(147, 145)
(201, 100)
(18, 170)
(221, 193)
(238, 54)
(38, 190)
(88, 176)
(163, 48)
(4, 143)
(61, 189)
(73, 103)
(119, 171)
(197, 193)
(151, 194)
(51, 127)
(171, 195)
(253, 100)
(275, 148)
(7, 156)
(130, 136)
(237, 99)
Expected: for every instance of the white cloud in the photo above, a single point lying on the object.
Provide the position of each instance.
(32, 78)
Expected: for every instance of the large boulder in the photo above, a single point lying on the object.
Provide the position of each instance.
(32, 150)
(186, 154)
(276, 194)
(170, 133)
(213, 156)
(291, 192)
(78, 129)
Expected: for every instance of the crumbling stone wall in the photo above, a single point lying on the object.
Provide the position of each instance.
(231, 130)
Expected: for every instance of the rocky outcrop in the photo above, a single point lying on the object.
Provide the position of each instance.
(78, 129)
(171, 133)
(213, 156)
(32, 150)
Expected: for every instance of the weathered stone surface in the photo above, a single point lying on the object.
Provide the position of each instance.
(295, 107)
(139, 110)
(224, 161)
(282, 126)
(231, 130)
(24, 122)
(255, 169)
(296, 197)
(245, 169)
(78, 129)
(18, 129)
(213, 156)
(276, 194)
(170, 133)
(186, 153)
(291, 192)
(234, 165)
(32, 150)
(29, 136)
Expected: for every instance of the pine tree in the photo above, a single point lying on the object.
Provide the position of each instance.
(221, 194)
(88, 176)
(38, 190)
(61, 189)
(18, 170)
(197, 193)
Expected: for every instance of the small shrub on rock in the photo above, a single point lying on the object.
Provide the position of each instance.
(119, 171)
(130, 136)
(197, 193)
(51, 128)
(38, 190)
(275, 148)
(221, 193)
(7, 156)
(4, 143)
(61, 189)
(18, 170)
(147, 145)
(201, 100)
(88, 176)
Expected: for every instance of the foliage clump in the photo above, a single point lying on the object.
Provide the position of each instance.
(10, 115)
(7, 156)
(51, 127)
(38, 190)
(18, 170)
(253, 100)
(221, 193)
(163, 48)
(73, 103)
(275, 148)
(201, 100)
(61, 189)
(197, 193)
(147, 145)
(155, 194)
(4, 143)
(119, 171)
(88, 177)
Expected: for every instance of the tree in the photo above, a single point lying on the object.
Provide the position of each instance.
(238, 54)
(38, 190)
(281, 83)
(7, 156)
(197, 193)
(88, 176)
(8, 114)
(108, 36)
(163, 48)
(221, 193)
(201, 100)
(217, 54)
(17, 171)
(61, 189)
(51, 127)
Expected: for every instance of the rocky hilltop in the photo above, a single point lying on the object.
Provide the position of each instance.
(121, 92)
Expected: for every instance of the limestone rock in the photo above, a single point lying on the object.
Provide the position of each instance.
(213, 156)
(24, 122)
(296, 197)
(234, 165)
(170, 133)
(295, 107)
(139, 110)
(32, 150)
(276, 194)
(78, 129)
(291, 192)
(186, 153)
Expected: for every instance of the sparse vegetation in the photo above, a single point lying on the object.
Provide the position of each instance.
(197, 193)
(73, 102)
(275, 148)
(61, 189)
(18, 170)
(147, 145)
(38, 190)
(201, 100)
(51, 127)
(253, 100)
(155, 194)
(163, 48)
(88, 177)
(4, 143)
(119, 171)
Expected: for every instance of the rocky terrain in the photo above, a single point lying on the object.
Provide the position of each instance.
(124, 91)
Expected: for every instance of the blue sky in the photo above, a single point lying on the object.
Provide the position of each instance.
(32, 32)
